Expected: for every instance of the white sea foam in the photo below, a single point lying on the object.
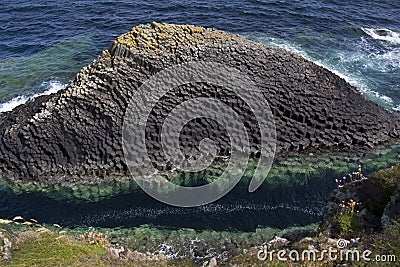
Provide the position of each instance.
(312, 208)
(397, 108)
(381, 62)
(383, 34)
(52, 87)
(10, 105)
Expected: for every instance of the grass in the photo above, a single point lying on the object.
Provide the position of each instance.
(247, 260)
(54, 250)
(51, 249)
(387, 242)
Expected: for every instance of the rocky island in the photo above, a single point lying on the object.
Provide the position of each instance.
(75, 134)
(74, 137)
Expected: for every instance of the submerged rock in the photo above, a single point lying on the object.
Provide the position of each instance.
(75, 134)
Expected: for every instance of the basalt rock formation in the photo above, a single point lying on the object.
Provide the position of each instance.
(76, 132)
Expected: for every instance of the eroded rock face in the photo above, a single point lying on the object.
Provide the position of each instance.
(76, 133)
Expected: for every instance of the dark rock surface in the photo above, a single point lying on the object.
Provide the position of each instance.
(297, 235)
(76, 133)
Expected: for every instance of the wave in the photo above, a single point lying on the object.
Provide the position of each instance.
(24, 73)
(344, 63)
(52, 87)
(314, 208)
(383, 34)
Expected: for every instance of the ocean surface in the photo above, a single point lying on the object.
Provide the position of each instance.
(44, 43)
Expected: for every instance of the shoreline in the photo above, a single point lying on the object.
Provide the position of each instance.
(187, 247)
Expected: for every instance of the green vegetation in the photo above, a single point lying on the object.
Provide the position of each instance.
(348, 224)
(181, 242)
(51, 249)
(55, 249)
(385, 243)
(379, 188)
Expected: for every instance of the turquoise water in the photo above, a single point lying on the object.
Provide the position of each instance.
(294, 194)
(43, 72)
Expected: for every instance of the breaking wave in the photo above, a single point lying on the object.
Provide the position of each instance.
(51, 87)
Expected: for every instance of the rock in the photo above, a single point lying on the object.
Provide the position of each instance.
(305, 242)
(312, 248)
(307, 239)
(213, 262)
(365, 191)
(121, 253)
(18, 219)
(296, 235)
(115, 251)
(5, 248)
(391, 213)
(278, 242)
(2, 221)
(332, 242)
(355, 241)
(42, 230)
(75, 134)
(33, 221)
(26, 235)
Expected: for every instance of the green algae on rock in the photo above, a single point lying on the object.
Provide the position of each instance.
(290, 171)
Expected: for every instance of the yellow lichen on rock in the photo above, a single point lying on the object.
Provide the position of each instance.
(158, 37)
